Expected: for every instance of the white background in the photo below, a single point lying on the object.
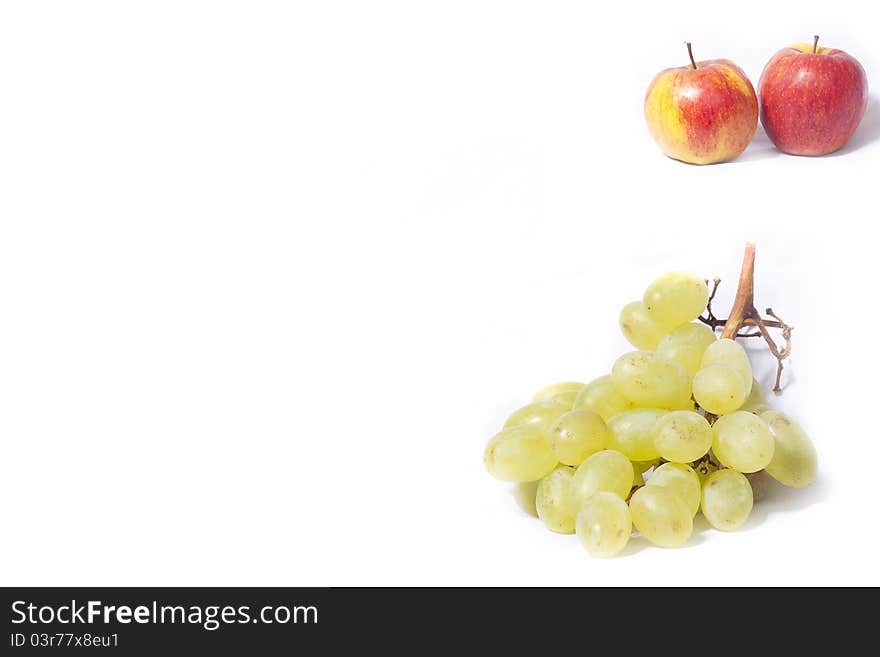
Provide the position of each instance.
(271, 274)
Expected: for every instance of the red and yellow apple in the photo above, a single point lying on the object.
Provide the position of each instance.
(812, 98)
(702, 113)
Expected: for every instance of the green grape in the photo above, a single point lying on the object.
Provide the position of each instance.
(794, 457)
(686, 345)
(760, 483)
(728, 352)
(755, 400)
(576, 435)
(689, 405)
(554, 389)
(756, 395)
(742, 441)
(555, 501)
(607, 471)
(604, 524)
(726, 499)
(682, 436)
(631, 433)
(524, 493)
(520, 453)
(681, 480)
(661, 516)
(676, 298)
(638, 327)
(542, 414)
(719, 389)
(566, 398)
(652, 381)
(600, 396)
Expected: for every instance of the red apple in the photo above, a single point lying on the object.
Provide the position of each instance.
(812, 98)
(702, 113)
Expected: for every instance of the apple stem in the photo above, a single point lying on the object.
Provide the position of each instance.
(815, 42)
(744, 314)
(691, 54)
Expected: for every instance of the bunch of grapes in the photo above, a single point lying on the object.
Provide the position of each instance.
(679, 426)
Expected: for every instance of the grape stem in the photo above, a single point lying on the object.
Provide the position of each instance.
(744, 313)
(701, 464)
(691, 54)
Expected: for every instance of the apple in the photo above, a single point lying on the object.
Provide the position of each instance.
(703, 113)
(812, 98)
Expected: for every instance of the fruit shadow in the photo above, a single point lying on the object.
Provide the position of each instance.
(868, 131)
(784, 499)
